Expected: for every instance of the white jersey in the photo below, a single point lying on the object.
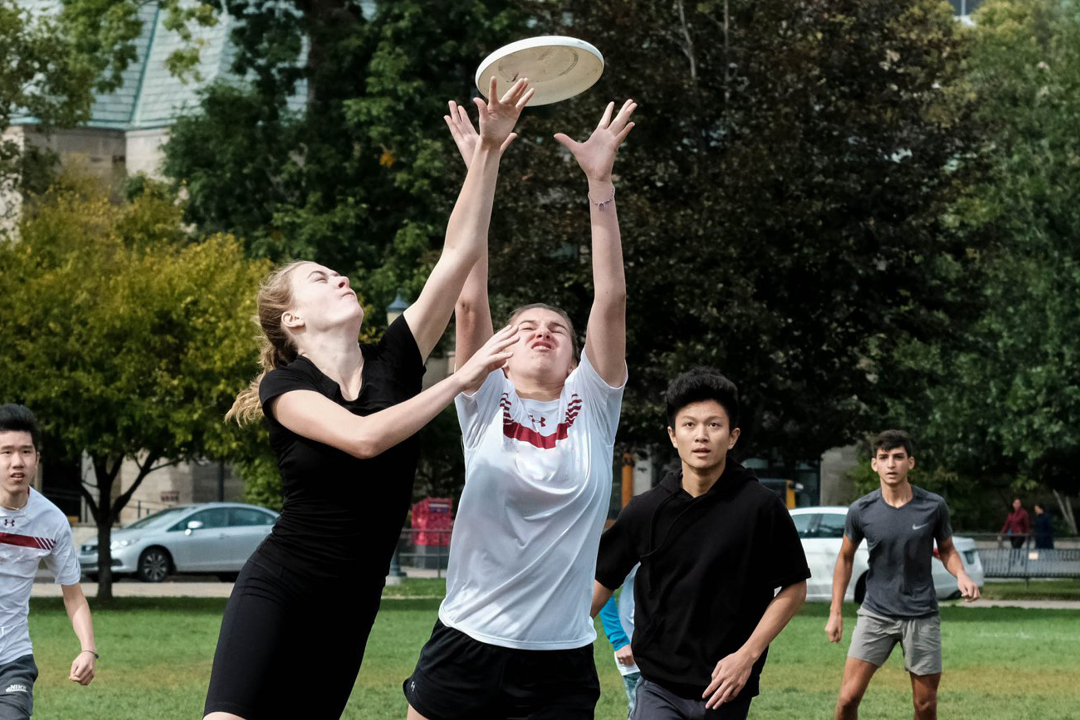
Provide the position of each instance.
(37, 531)
(537, 491)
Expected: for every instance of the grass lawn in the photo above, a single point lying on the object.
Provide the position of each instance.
(1001, 663)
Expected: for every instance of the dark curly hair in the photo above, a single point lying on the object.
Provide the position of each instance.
(892, 439)
(697, 385)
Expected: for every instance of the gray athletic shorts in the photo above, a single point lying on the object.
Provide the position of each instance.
(920, 638)
(17, 688)
(657, 703)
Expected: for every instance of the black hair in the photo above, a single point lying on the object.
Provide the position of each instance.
(18, 418)
(892, 439)
(700, 384)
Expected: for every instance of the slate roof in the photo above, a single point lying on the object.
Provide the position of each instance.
(150, 96)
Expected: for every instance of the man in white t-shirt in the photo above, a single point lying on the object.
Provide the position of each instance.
(32, 529)
(514, 636)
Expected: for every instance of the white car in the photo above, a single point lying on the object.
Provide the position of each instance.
(214, 538)
(822, 532)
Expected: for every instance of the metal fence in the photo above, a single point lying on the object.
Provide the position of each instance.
(423, 550)
(1016, 556)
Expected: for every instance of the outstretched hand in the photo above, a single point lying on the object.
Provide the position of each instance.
(465, 135)
(489, 358)
(498, 115)
(596, 156)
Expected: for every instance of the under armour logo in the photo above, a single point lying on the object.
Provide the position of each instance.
(9, 522)
(543, 421)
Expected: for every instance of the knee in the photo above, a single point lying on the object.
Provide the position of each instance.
(925, 704)
(849, 700)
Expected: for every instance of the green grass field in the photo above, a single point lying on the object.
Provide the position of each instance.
(1001, 664)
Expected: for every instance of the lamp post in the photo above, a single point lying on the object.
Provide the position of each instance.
(393, 311)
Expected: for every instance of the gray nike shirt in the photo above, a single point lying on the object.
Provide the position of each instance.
(901, 545)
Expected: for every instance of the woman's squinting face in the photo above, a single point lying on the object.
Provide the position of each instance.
(322, 298)
(544, 349)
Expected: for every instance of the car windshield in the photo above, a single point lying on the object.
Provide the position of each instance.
(802, 523)
(163, 517)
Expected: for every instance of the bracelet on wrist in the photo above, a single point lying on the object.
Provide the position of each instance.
(601, 203)
(92, 652)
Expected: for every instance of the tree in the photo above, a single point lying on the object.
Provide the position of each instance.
(784, 200)
(42, 76)
(1003, 394)
(785, 197)
(128, 338)
(355, 176)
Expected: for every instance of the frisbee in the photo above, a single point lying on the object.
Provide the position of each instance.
(558, 67)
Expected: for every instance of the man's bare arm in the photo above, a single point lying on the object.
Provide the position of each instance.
(834, 628)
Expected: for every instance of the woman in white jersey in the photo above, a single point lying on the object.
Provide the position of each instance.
(342, 419)
(514, 636)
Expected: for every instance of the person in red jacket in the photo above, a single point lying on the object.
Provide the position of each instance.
(1017, 525)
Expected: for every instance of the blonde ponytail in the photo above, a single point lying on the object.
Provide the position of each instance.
(276, 348)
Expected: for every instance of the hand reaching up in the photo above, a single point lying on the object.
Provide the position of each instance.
(498, 111)
(498, 115)
(596, 156)
(465, 135)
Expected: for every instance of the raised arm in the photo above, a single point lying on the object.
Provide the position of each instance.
(311, 415)
(472, 314)
(466, 232)
(605, 337)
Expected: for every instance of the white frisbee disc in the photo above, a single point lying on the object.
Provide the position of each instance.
(558, 67)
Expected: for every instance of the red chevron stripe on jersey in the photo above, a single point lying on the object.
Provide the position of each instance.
(27, 541)
(516, 431)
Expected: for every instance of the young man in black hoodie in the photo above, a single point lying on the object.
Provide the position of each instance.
(715, 546)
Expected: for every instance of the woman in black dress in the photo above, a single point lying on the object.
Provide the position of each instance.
(342, 419)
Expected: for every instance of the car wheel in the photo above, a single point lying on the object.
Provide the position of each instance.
(860, 589)
(154, 565)
(92, 577)
(228, 577)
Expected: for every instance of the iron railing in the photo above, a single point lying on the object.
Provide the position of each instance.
(1018, 556)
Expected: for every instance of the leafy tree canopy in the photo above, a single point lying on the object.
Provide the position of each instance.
(1002, 394)
(785, 199)
(127, 338)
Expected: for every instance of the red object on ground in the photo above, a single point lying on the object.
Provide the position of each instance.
(431, 515)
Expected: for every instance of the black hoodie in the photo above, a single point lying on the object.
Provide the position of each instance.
(710, 566)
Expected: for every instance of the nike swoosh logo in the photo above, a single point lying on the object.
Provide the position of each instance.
(916, 527)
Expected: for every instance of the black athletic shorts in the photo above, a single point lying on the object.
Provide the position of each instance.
(290, 646)
(458, 678)
(17, 688)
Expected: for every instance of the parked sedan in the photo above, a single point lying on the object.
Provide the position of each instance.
(822, 532)
(213, 538)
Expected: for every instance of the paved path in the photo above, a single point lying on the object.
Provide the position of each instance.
(1027, 604)
(141, 589)
(194, 586)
